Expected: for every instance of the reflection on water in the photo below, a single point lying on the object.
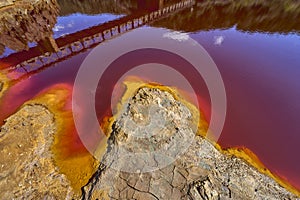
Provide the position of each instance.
(249, 16)
(255, 45)
(261, 75)
(26, 22)
(94, 7)
(77, 22)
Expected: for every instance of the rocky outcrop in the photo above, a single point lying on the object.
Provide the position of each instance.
(152, 153)
(27, 168)
(26, 21)
(145, 158)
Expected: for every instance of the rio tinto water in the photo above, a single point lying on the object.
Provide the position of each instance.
(256, 51)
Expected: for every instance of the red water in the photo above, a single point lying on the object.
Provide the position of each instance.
(261, 75)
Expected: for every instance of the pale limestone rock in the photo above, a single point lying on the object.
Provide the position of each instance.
(201, 172)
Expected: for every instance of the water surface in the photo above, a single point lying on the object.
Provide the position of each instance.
(255, 45)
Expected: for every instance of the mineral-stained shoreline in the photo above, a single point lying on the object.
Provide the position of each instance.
(200, 172)
(27, 167)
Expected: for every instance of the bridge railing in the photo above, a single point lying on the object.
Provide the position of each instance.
(40, 62)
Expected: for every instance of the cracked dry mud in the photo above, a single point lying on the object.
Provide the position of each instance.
(201, 172)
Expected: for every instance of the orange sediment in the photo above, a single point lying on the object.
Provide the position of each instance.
(132, 84)
(69, 154)
(79, 165)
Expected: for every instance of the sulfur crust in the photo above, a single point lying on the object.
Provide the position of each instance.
(81, 167)
(241, 152)
(131, 88)
(78, 168)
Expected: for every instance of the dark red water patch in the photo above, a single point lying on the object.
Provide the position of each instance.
(133, 59)
(261, 75)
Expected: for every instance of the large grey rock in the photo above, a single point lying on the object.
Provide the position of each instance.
(201, 172)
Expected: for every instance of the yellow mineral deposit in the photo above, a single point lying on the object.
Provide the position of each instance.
(132, 84)
(74, 161)
(128, 87)
(3, 84)
(70, 156)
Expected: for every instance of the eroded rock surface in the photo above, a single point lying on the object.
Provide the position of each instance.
(4, 3)
(27, 168)
(201, 172)
(24, 21)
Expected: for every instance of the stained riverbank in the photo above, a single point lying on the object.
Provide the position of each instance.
(200, 172)
(255, 45)
(34, 147)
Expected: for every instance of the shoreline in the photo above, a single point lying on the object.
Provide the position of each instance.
(50, 102)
